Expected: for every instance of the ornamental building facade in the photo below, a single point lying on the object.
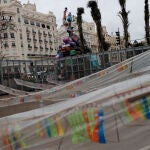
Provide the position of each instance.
(28, 34)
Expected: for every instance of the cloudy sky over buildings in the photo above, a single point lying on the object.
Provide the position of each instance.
(109, 10)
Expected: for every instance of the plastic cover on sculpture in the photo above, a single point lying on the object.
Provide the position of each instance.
(125, 70)
(108, 116)
(12, 91)
(33, 85)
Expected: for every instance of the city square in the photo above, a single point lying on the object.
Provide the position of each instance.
(71, 78)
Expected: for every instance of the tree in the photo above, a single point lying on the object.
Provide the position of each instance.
(147, 35)
(96, 15)
(80, 11)
(123, 14)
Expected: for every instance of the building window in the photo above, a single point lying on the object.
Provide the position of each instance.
(27, 30)
(6, 45)
(21, 44)
(19, 20)
(43, 25)
(34, 32)
(18, 11)
(26, 21)
(5, 36)
(12, 26)
(49, 35)
(13, 44)
(21, 36)
(28, 36)
(12, 35)
(37, 24)
(32, 22)
(48, 27)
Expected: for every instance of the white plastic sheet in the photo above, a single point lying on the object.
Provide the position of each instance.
(12, 91)
(102, 116)
(128, 69)
(33, 85)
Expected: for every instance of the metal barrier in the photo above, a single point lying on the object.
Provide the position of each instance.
(67, 68)
(70, 68)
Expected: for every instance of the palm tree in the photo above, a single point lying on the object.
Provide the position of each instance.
(147, 35)
(123, 14)
(96, 15)
(80, 11)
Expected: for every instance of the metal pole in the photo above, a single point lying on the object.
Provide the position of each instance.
(25, 67)
(8, 76)
(78, 67)
(110, 57)
(1, 71)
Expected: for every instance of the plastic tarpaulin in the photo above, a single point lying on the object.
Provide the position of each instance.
(12, 91)
(128, 69)
(33, 85)
(103, 116)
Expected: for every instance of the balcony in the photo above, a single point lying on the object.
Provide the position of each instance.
(35, 47)
(30, 47)
(13, 45)
(45, 41)
(45, 34)
(46, 48)
(5, 37)
(39, 33)
(49, 35)
(51, 49)
(41, 48)
(6, 45)
(12, 26)
(50, 42)
(13, 37)
(33, 32)
(35, 40)
(40, 41)
(29, 39)
(27, 30)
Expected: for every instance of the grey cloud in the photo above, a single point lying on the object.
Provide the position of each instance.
(108, 8)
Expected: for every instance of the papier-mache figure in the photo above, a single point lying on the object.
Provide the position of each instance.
(69, 19)
(70, 31)
(65, 16)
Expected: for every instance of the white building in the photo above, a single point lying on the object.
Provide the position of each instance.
(5, 1)
(90, 35)
(34, 33)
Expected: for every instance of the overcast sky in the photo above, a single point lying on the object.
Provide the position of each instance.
(108, 8)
